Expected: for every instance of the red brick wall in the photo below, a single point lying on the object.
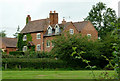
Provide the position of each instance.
(45, 43)
(37, 41)
(89, 29)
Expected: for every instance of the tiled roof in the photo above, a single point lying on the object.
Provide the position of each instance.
(80, 25)
(9, 42)
(37, 25)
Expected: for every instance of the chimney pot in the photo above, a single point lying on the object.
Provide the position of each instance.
(54, 11)
(50, 11)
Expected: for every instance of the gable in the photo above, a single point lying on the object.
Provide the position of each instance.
(90, 27)
(69, 26)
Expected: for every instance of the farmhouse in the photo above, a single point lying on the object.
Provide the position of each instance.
(8, 44)
(44, 30)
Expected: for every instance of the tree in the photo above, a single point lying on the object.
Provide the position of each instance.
(16, 34)
(63, 49)
(2, 33)
(102, 18)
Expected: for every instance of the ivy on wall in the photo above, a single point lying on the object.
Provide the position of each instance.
(22, 43)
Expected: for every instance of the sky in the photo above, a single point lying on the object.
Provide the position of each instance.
(14, 12)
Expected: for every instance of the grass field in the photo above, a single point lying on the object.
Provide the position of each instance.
(80, 74)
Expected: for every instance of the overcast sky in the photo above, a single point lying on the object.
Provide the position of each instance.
(14, 12)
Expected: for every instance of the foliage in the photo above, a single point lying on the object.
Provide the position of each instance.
(79, 56)
(7, 56)
(2, 33)
(16, 53)
(102, 18)
(63, 50)
(33, 54)
(35, 63)
(16, 34)
(22, 43)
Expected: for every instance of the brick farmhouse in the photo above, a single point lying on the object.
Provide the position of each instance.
(44, 30)
(8, 44)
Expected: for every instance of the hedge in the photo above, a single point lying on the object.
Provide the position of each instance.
(16, 53)
(34, 63)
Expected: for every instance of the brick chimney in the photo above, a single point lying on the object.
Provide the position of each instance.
(63, 22)
(53, 17)
(28, 19)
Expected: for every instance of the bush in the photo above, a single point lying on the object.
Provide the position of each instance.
(35, 63)
(16, 53)
(33, 54)
(63, 50)
(7, 56)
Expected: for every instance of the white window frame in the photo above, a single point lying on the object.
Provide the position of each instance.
(38, 36)
(89, 35)
(49, 30)
(48, 45)
(72, 31)
(24, 37)
(39, 47)
(24, 48)
(57, 30)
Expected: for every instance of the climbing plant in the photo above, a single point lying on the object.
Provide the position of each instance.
(22, 43)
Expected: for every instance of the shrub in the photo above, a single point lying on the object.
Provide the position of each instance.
(7, 56)
(35, 63)
(16, 53)
(63, 50)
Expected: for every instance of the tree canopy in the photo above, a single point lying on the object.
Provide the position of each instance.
(2, 33)
(102, 18)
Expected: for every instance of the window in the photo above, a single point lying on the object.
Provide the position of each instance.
(71, 31)
(48, 43)
(56, 29)
(38, 47)
(49, 30)
(89, 35)
(38, 35)
(24, 38)
(24, 48)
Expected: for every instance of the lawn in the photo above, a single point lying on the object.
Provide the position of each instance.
(78, 74)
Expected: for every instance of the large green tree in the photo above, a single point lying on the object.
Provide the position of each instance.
(2, 33)
(102, 18)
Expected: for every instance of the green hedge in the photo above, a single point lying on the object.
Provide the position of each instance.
(34, 63)
(16, 53)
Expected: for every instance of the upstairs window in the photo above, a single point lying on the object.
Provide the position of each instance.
(38, 47)
(49, 30)
(71, 31)
(38, 35)
(48, 43)
(89, 36)
(24, 48)
(24, 37)
(57, 30)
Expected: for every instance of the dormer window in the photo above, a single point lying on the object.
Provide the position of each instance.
(24, 38)
(38, 35)
(57, 30)
(49, 30)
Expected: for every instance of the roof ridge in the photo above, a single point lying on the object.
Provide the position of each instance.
(39, 20)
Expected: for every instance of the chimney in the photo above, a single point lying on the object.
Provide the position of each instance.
(28, 19)
(63, 22)
(53, 17)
